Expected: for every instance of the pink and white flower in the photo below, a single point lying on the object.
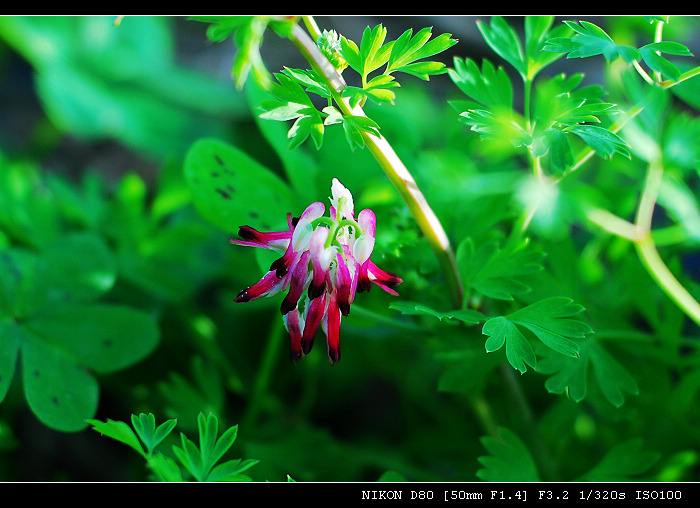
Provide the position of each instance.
(328, 258)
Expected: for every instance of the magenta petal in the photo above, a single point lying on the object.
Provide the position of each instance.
(343, 286)
(297, 283)
(314, 316)
(333, 329)
(268, 285)
(277, 240)
(292, 322)
(385, 280)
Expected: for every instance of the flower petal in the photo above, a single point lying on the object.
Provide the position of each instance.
(343, 285)
(321, 257)
(269, 285)
(385, 280)
(341, 200)
(297, 283)
(293, 324)
(251, 237)
(315, 311)
(332, 327)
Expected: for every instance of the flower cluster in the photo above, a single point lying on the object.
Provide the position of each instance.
(328, 258)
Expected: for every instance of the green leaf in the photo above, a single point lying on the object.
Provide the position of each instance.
(650, 55)
(152, 436)
(247, 33)
(406, 46)
(165, 468)
(200, 462)
(509, 460)
(570, 375)
(231, 471)
(590, 40)
(407, 50)
(561, 154)
(537, 30)
(623, 462)
(489, 86)
(548, 320)
(293, 103)
(495, 271)
(519, 352)
(62, 343)
(231, 189)
(604, 142)
(60, 392)
(355, 125)
(10, 337)
(373, 52)
(503, 39)
(103, 337)
(415, 309)
(118, 431)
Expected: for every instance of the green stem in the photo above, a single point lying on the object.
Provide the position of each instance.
(686, 75)
(641, 235)
(264, 373)
(390, 162)
(666, 280)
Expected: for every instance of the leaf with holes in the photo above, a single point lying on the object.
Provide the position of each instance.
(231, 189)
(61, 337)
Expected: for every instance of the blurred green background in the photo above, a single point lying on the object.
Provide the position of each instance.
(97, 120)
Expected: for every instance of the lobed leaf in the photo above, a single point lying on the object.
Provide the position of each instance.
(509, 460)
(489, 86)
(150, 435)
(503, 39)
(495, 271)
(519, 352)
(118, 431)
(570, 375)
(590, 40)
(415, 309)
(407, 50)
(604, 142)
(622, 462)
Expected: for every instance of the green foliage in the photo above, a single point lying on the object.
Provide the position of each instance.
(404, 55)
(117, 283)
(558, 109)
(547, 320)
(509, 459)
(495, 271)
(102, 82)
(591, 40)
(570, 374)
(229, 188)
(50, 318)
(201, 463)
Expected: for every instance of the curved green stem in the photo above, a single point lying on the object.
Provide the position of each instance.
(640, 234)
(389, 161)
